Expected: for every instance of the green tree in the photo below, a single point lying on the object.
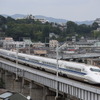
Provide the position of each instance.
(2, 20)
(10, 19)
(95, 26)
(84, 30)
(46, 31)
(96, 34)
(71, 27)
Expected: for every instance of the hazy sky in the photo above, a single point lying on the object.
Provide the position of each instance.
(75, 10)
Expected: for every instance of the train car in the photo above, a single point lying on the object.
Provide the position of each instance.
(79, 71)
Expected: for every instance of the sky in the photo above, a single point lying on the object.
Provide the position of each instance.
(75, 10)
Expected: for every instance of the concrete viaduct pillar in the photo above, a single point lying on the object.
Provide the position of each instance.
(30, 88)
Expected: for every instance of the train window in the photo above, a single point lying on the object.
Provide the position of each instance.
(20, 57)
(74, 69)
(26, 58)
(33, 60)
(7, 53)
(95, 70)
(12, 55)
(36, 60)
(49, 63)
(53, 64)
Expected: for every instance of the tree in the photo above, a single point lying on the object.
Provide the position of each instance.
(38, 31)
(95, 26)
(2, 20)
(9, 19)
(84, 30)
(46, 31)
(71, 27)
(96, 34)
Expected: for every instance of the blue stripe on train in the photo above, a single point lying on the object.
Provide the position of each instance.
(63, 69)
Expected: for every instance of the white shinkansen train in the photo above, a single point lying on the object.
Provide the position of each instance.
(82, 72)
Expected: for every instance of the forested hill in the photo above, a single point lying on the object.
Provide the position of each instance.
(50, 19)
(38, 31)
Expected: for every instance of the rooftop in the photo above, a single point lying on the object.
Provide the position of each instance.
(5, 95)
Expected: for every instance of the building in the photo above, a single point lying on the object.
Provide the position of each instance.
(40, 52)
(5, 40)
(10, 44)
(13, 45)
(41, 20)
(97, 44)
(38, 44)
(29, 17)
(53, 43)
(92, 41)
(97, 21)
(95, 62)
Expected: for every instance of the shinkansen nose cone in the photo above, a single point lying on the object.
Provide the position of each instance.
(94, 79)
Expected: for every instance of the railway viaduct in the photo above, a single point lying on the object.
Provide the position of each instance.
(41, 85)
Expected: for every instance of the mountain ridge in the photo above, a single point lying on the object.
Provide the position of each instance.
(50, 19)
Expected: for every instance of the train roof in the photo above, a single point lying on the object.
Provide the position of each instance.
(51, 60)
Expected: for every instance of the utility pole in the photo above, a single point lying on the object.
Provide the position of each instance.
(57, 68)
(29, 47)
(17, 50)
